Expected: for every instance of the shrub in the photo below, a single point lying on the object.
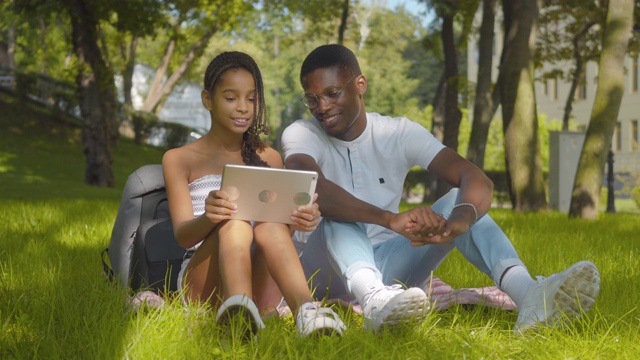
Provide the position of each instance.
(635, 193)
(143, 122)
(177, 134)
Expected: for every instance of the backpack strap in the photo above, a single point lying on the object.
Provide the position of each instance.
(151, 207)
(107, 269)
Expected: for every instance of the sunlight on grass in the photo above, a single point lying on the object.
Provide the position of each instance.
(4, 162)
(56, 303)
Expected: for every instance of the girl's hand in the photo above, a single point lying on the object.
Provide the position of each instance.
(217, 206)
(306, 218)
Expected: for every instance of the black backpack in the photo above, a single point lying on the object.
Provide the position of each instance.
(143, 251)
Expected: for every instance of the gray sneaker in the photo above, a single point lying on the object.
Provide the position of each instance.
(391, 305)
(553, 300)
(243, 307)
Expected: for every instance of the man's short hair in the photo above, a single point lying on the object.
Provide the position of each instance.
(332, 55)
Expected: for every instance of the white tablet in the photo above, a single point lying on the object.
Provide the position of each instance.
(267, 194)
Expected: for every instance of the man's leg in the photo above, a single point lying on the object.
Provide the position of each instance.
(485, 246)
(347, 250)
(323, 279)
(545, 301)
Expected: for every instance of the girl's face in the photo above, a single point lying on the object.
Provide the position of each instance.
(232, 101)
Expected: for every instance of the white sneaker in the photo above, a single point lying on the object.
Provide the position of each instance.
(391, 305)
(243, 306)
(319, 321)
(550, 301)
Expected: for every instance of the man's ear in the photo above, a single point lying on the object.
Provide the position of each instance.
(206, 99)
(361, 84)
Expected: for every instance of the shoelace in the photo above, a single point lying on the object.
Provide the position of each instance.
(395, 287)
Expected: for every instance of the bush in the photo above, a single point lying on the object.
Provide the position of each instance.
(143, 122)
(635, 194)
(177, 134)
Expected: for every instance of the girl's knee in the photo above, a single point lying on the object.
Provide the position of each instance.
(269, 233)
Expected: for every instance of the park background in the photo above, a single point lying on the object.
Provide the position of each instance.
(54, 299)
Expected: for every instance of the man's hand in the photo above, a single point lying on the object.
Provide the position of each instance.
(423, 226)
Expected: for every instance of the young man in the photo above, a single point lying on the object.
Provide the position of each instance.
(364, 247)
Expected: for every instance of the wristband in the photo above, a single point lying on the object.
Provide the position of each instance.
(473, 207)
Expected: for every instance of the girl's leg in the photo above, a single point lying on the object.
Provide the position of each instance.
(235, 239)
(204, 276)
(281, 257)
(265, 290)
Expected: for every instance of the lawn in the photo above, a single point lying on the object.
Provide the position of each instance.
(55, 302)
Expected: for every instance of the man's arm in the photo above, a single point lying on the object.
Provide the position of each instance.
(335, 202)
(475, 189)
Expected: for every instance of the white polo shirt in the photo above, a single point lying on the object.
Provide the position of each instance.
(372, 167)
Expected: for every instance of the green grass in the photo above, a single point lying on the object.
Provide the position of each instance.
(56, 304)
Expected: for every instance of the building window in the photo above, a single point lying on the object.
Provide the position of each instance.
(618, 137)
(554, 90)
(546, 87)
(634, 135)
(634, 74)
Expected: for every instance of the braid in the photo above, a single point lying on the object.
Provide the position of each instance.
(251, 142)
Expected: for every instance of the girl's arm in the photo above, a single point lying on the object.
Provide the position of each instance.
(188, 230)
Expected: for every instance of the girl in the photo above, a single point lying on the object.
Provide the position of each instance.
(218, 264)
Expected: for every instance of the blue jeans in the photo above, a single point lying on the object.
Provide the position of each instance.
(336, 250)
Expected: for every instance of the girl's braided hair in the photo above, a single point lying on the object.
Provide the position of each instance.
(251, 141)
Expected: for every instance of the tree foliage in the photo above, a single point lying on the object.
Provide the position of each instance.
(570, 33)
(402, 60)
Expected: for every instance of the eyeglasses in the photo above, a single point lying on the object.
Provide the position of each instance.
(312, 100)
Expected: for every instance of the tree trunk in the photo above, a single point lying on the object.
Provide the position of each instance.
(159, 92)
(576, 76)
(604, 115)
(97, 96)
(130, 62)
(11, 47)
(343, 21)
(362, 14)
(520, 120)
(437, 123)
(158, 78)
(485, 105)
(452, 114)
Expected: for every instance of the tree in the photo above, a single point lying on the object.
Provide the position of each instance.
(447, 111)
(7, 37)
(190, 26)
(604, 115)
(93, 73)
(486, 100)
(97, 93)
(520, 120)
(570, 33)
(343, 21)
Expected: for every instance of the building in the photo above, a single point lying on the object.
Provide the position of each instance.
(551, 97)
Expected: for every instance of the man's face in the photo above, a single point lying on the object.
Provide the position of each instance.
(335, 99)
